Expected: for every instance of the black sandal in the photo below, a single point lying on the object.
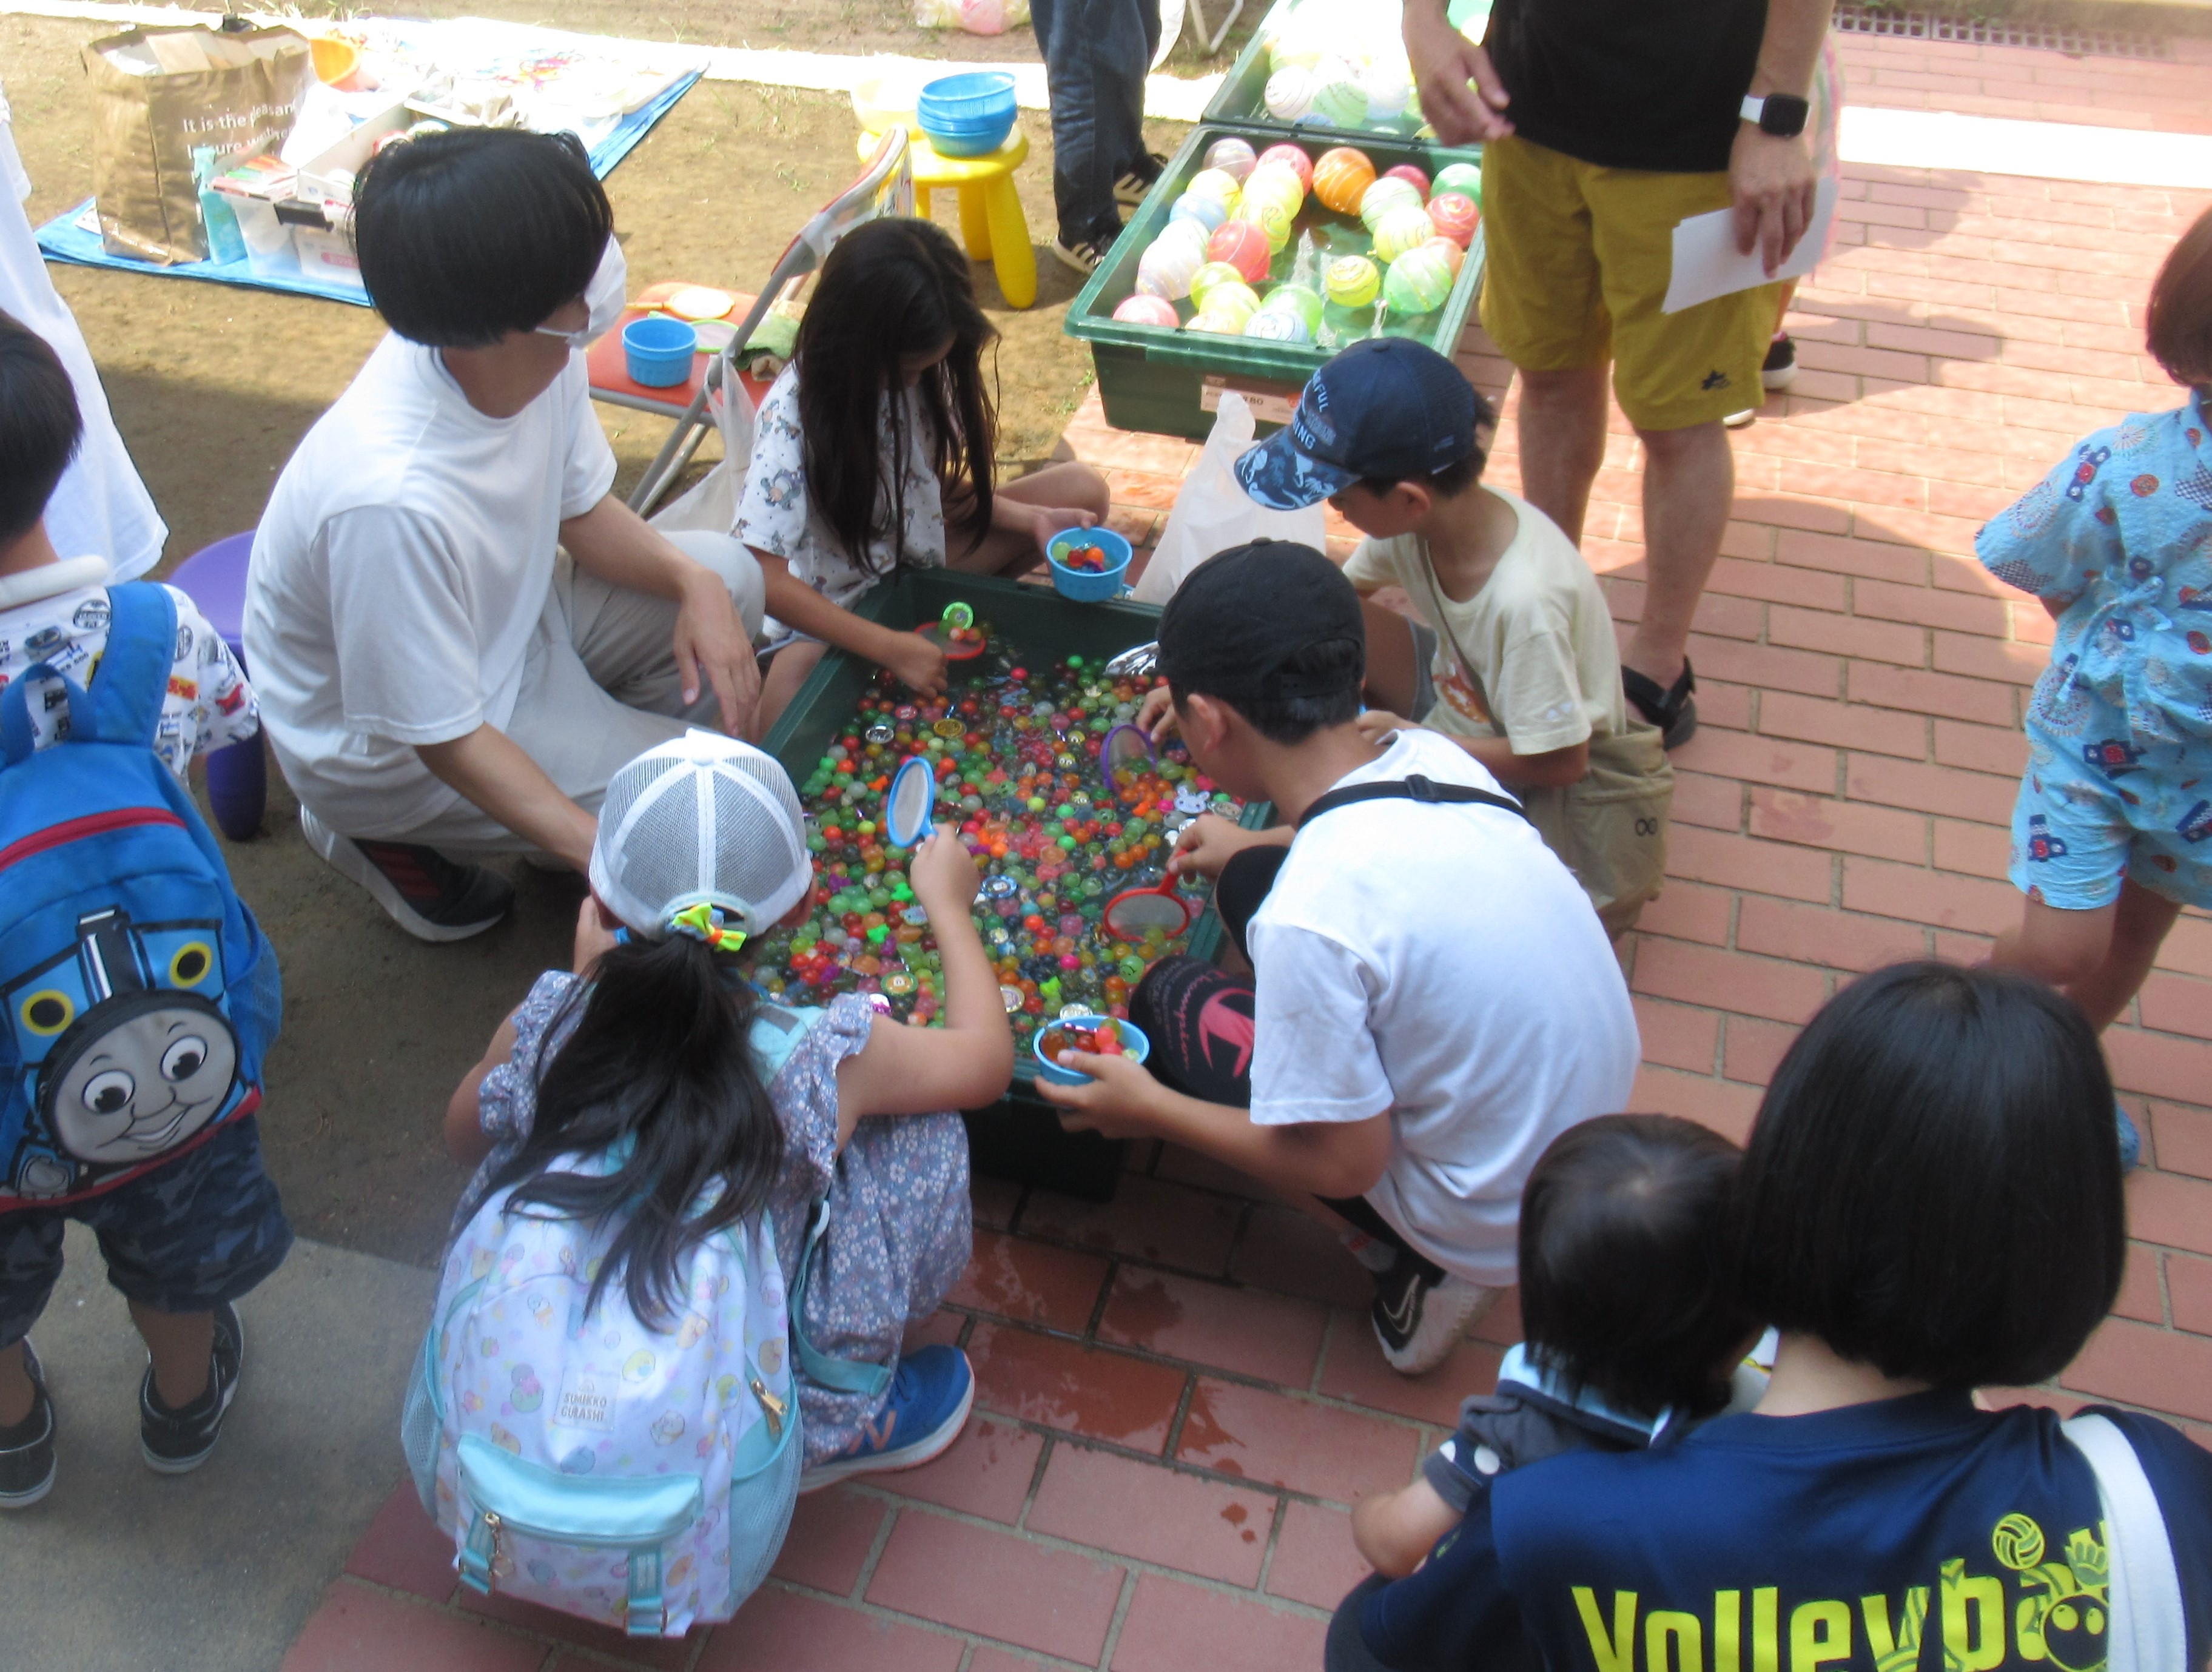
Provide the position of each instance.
(1673, 710)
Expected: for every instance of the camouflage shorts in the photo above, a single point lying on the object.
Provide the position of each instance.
(185, 1237)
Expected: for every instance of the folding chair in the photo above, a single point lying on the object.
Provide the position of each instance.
(885, 187)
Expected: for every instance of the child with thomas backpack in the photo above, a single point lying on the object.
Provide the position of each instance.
(652, 1096)
(138, 994)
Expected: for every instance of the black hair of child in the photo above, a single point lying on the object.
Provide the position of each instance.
(466, 236)
(39, 425)
(1627, 1271)
(892, 288)
(1272, 630)
(1453, 480)
(1933, 1184)
(658, 1055)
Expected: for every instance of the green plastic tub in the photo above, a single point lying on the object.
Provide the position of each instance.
(1019, 1137)
(1170, 382)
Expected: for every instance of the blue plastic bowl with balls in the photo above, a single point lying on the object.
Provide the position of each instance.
(1088, 585)
(969, 115)
(656, 350)
(1134, 1046)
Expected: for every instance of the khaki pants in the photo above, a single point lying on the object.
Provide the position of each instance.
(600, 686)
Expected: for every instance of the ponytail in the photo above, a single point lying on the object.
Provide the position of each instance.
(659, 1055)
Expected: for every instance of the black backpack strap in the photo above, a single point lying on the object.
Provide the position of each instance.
(1414, 787)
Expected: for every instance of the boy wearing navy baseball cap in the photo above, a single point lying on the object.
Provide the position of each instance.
(1514, 658)
(1430, 1000)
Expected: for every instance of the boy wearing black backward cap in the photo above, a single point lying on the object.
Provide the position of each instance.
(1431, 998)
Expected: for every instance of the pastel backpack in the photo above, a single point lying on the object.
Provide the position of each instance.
(591, 1463)
(139, 995)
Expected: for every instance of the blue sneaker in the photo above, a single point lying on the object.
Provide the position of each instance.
(931, 1392)
(2130, 1141)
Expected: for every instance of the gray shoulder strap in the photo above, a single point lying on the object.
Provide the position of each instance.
(2148, 1632)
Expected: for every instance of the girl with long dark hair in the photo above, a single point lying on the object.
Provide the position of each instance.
(656, 1049)
(875, 449)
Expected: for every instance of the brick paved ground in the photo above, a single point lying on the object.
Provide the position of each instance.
(1178, 1398)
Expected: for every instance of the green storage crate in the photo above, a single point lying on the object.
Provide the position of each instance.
(1170, 382)
(1241, 98)
(1019, 1137)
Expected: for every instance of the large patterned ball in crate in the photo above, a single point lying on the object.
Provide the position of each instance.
(1243, 246)
(1341, 177)
(1401, 229)
(1455, 216)
(1351, 281)
(1391, 192)
(1418, 281)
(1294, 158)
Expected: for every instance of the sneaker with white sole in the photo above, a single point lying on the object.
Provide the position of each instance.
(930, 1393)
(427, 894)
(179, 1442)
(27, 1464)
(1136, 182)
(1084, 255)
(1420, 1313)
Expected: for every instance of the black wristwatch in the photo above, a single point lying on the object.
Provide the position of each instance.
(1777, 114)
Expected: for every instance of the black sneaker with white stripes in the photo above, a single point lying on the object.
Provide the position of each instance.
(427, 894)
(1084, 255)
(1129, 191)
(27, 1451)
(179, 1442)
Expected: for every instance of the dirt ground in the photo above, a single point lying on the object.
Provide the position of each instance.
(213, 386)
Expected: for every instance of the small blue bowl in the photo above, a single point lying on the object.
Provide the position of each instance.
(659, 351)
(969, 115)
(1134, 1046)
(1089, 586)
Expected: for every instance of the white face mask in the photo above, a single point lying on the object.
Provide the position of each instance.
(604, 298)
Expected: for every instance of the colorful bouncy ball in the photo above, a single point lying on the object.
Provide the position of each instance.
(1290, 92)
(1245, 246)
(1464, 178)
(1340, 101)
(1211, 278)
(1411, 175)
(1210, 324)
(1217, 184)
(1237, 301)
(1273, 217)
(1273, 183)
(1278, 324)
(1294, 158)
(1405, 227)
(1200, 210)
(1351, 281)
(1143, 310)
(1384, 195)
(1418, 281)
(1232, 155)
(1453, 255)
(1289, 298)
(1341, 177)
(1165, 268)
(1456, 216)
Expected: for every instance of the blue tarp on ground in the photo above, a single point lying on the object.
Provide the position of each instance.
(63, 240)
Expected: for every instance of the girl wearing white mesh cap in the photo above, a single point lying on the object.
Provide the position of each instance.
(655, 1039)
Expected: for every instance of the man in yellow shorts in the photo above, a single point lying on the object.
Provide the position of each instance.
(1605, 123)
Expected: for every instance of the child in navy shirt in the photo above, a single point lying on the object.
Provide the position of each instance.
(1930, 1203)
(1634, 1333)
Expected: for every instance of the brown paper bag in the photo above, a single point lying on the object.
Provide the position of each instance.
(158, 93)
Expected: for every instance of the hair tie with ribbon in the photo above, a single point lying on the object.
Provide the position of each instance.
(702, 922)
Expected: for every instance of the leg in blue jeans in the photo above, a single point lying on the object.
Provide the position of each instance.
(1097, 54)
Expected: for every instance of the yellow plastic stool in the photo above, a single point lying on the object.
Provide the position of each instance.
(992, 223)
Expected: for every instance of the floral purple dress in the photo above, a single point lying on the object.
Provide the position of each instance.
(899, 1227)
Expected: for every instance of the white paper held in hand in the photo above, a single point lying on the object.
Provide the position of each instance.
(1707, 262)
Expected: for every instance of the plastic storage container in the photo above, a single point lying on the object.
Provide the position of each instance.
(1019, 1137)
(658, 350)
(1150, 378)
(969, 115)
(1089, 586)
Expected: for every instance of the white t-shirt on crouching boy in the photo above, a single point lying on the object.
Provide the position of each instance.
(1438, 962)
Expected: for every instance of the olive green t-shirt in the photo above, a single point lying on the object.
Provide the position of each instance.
(1544, 668)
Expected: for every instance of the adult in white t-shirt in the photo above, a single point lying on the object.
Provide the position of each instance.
(457, 632)
(1432, 999)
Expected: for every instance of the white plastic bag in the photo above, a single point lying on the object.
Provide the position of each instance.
(711, 503)
(1213, 513)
